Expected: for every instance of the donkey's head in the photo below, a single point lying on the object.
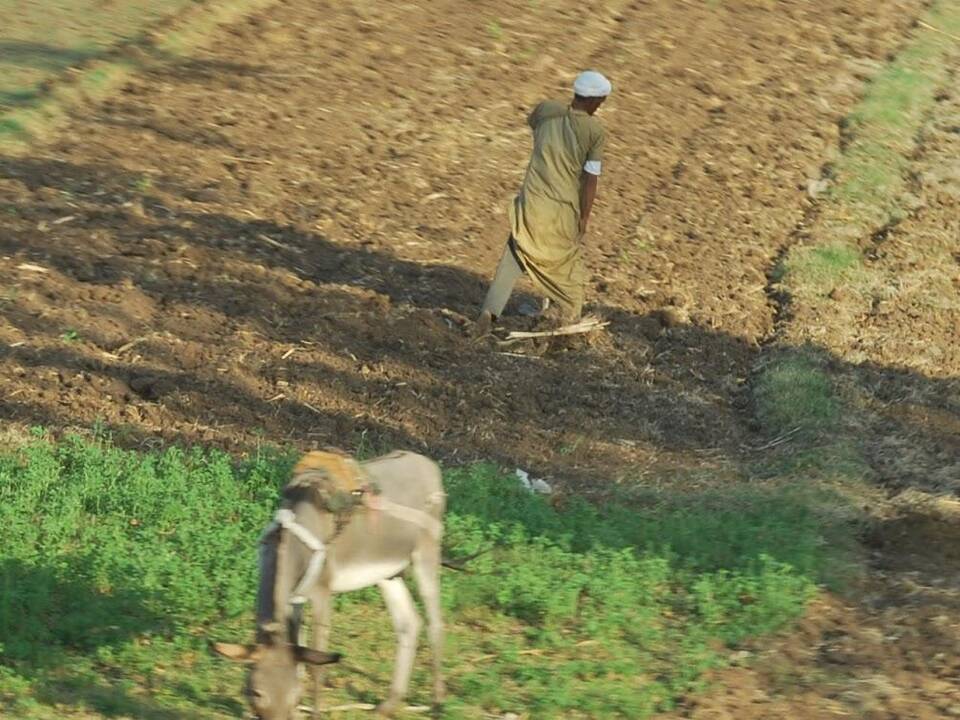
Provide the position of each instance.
(273, 688)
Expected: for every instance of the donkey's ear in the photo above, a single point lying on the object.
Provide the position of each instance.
(315, 657)
(235, 652)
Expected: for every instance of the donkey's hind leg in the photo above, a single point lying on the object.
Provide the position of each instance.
(406, 622)
(426, 569)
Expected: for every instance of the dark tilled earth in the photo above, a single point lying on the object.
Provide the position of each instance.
(260, 244)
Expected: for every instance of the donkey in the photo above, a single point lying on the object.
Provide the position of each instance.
(344, 526)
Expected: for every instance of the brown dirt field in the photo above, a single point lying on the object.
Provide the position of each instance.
(263, 244)
(257, 201)
(898, 329)
(913, 322)
(34, 51)
(889, 650)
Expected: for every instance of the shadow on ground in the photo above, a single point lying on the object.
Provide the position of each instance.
(250, 330)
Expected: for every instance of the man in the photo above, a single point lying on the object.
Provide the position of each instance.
(549, 216)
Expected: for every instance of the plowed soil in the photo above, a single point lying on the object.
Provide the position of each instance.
(285, 240)
(890, 650)
(293, 228)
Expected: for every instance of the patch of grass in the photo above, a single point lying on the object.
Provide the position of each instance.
(70, 335)
(495, 30)
(571, 447)
(640, 245)
(143, 184)
(643, 245)
(839, 459)
(523, 55)
(794, 394)
(118, 566)
(897, 97)
(44, 75)
(799, 405)
(106, 577)
(821, 268)
(99, 77)
(8, 296)
(8, 126)
(882, 129)
(17, 97)
(871, 176)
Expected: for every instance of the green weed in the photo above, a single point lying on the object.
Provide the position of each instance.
(882, 130)
(495, 30)
(143, 184)
(9, 126)
(119, 565)
(794, 394)
(643, 245)
(98, 77)
(820, 268)
(17, 97)
(523, 55)
(70, 335)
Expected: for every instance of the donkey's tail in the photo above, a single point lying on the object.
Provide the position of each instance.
(460, 563)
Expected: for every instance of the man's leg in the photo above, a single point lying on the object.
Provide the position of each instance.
(508, 271)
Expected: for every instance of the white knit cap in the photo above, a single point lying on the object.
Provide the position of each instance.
(591, 84)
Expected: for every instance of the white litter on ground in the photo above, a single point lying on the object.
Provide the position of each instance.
(533, 484)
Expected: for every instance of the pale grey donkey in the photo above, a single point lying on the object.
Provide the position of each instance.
(343, 526)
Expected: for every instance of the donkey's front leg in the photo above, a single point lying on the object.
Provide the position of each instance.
(406, 622)
(322, 605)
(426, 569)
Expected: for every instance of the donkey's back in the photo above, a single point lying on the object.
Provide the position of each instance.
(402, 519)
(407, 478)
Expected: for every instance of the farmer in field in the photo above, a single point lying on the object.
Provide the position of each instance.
(549, 216)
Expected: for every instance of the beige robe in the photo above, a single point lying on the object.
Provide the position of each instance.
(545, 215)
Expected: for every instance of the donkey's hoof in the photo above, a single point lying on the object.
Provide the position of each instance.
(387, 708)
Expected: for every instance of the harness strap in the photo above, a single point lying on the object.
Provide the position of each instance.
(286, 519)
(409, 514)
